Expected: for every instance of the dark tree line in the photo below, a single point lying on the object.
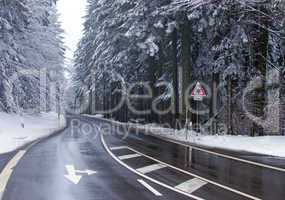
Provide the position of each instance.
(235, 48)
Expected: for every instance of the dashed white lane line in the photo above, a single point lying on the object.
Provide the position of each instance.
(118, 148)
(217, 154)
(125, 157)
(197, 176)
(8, 170)
(151, 168)
(191, 185)
(143, 175)
(154, 191)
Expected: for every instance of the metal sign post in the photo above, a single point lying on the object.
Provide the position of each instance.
(198, 94)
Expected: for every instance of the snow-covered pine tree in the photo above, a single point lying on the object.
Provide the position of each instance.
(13, 21)
(228, 42)
(30, 39)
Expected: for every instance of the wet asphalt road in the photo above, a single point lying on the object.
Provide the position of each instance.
(4, 159)
(39, 175)
(257, 181)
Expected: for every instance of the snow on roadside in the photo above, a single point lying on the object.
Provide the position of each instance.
(267, 145)
(13, 135)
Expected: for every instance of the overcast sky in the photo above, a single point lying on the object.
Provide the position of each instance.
(71, 17)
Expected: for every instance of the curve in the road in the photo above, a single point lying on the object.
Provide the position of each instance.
(136, 171)
(143, 175)
(40, 173)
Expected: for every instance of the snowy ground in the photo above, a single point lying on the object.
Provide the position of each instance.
(268, 145)
(13, 135)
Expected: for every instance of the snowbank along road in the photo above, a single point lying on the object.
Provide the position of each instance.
(111, 166)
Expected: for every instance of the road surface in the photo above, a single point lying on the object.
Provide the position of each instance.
(88, 162)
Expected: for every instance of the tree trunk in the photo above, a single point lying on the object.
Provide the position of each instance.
(282, 103)
(186, 63)
(259, 45)
(214, 99)
(175, 76)
(229, 106)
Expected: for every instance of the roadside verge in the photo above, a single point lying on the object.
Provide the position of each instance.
(239, 156)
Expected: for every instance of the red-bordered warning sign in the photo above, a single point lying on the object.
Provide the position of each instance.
(198, 92)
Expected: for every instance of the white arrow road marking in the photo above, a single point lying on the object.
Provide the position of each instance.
(73, 177)
(154, 191)
(191, 185)
(88, 172)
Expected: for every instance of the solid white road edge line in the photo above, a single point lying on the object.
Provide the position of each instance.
(217, 154)
(191, 185)
(199, 177)
(241, 160)
(154, 191)
(151, 168)
(224, 155)
(8, 170)
(144, 176)
(129, 156)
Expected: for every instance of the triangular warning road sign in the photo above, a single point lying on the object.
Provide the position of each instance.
(198, 92)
